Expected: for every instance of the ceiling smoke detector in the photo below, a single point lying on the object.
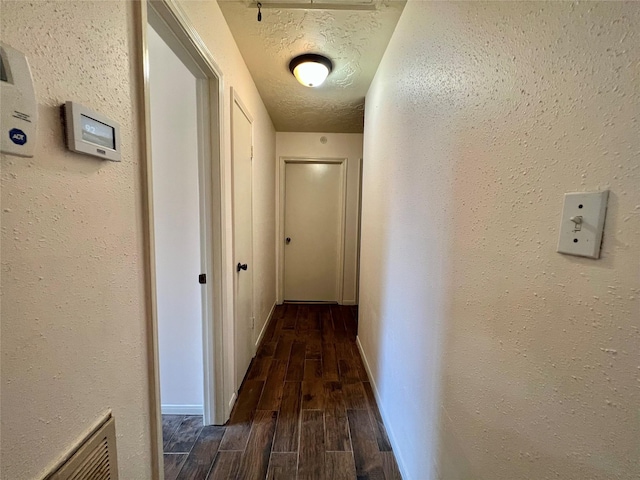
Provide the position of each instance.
(310, 70)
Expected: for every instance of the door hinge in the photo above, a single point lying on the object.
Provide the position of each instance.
(251, 152)
(202, 278)
(253, 323)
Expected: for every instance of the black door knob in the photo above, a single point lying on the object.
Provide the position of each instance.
(241, 266)
(288, 240)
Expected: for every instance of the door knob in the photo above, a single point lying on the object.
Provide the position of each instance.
(241, 266)
(288, 240)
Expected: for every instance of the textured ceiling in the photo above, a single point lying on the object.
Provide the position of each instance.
(354, 35)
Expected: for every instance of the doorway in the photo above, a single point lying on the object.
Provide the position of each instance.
(199, 179)
(178, 223)
(313, 220)
(241, 158)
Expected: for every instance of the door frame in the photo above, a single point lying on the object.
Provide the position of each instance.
(359, 234)
(281, 188)
(177, 31)
(235, 98)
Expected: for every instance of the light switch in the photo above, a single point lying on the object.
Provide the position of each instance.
(582, 223)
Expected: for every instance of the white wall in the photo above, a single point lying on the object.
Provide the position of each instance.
(176, 205)
(494, 356)
(208, 20)
(73, 310)
(339, 145)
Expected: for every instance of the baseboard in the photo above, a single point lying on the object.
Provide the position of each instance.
(182, 409)
(266, 324)
(232, 402)
(385, 417)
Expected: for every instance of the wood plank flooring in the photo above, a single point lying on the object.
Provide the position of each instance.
(306, 410)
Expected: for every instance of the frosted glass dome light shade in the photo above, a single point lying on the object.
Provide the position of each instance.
(311, 74)
(311, 70)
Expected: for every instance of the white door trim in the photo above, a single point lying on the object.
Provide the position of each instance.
(280, 188)
(359, 230)
(171, 18)
(245, 111)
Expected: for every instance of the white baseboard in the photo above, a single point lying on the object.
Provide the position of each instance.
(232, 401)
(182, 409)
(264, 327)
(385, 418)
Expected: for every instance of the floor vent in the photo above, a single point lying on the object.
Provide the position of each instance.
(94, 459)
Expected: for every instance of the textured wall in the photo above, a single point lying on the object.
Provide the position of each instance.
(494, 356)
(338, 145)
(73, 315)
(208, 20)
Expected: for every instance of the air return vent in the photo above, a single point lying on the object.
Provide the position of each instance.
(94, 459)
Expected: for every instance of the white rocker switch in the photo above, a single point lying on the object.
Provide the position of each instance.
(582, 223)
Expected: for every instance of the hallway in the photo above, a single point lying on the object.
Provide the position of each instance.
(306, 410)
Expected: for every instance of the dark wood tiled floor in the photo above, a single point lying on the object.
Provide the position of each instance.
(305, 410)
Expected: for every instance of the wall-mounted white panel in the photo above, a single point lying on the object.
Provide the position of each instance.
(19, 114)
(582, 224)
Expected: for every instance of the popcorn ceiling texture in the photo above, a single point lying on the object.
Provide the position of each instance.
(73, 312)
(353, 40)
(494, 356)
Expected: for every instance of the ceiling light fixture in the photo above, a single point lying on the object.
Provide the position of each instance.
(311, 69)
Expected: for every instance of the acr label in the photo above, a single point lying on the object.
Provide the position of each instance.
(17, 136)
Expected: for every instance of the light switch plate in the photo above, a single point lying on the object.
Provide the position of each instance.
(582, 223)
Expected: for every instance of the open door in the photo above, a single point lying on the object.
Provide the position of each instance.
(175, 150)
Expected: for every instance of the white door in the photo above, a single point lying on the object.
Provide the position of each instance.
(242, 239)
(176, 212)
(313, 210)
